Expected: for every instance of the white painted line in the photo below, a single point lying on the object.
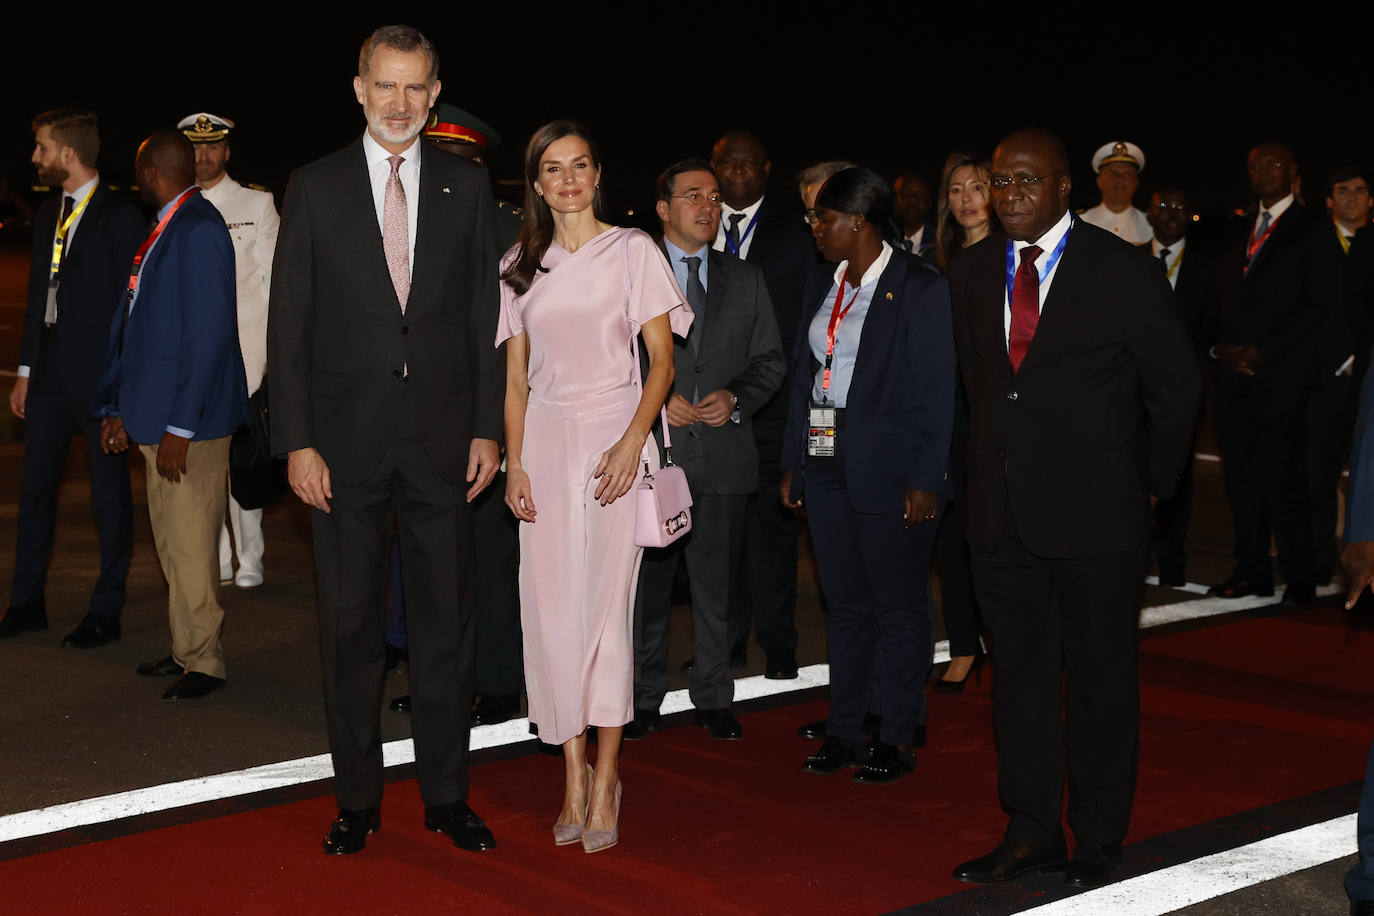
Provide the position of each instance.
(1178, 886)
(1203, 456)
(396, 753)
(1192, 587)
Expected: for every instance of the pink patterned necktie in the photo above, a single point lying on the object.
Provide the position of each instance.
(396, 232)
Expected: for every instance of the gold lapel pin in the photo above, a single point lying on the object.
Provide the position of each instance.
(889, 297)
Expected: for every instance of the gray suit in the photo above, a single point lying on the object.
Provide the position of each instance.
(738, 350)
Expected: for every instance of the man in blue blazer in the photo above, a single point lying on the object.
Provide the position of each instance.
(92, 236)
(174, 384)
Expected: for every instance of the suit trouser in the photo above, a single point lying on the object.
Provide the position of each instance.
(1260, 429)
(1330, 424)
(186, 519)
(874, 573)
(1064, 627)
(51, 419)
(711, 550)
(957, 600)
(351, 547)
(1359, 881)
(1173, 515)
(247, 543)
(766, 593)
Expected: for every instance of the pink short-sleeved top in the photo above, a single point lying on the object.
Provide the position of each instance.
(582, 313)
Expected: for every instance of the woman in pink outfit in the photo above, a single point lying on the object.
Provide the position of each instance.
(575, 291)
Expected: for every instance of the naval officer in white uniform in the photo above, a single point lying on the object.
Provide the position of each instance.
(251, 216)
(1118, 165)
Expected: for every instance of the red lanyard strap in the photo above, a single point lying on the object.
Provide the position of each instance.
(1256, 243)
(836, 316)
(152, 237)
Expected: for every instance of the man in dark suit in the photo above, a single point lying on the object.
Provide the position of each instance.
(1277, 276)
(174, 384)
(765, 230)
(914, 203)
(1081, 412)
(730, 365)
(83, 242)
(1333, 387)
(1193, 276)
(387, 398)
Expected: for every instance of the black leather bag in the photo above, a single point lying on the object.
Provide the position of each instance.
(255, 477)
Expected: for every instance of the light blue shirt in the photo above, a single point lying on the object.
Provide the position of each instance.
(675, 256)
(847, 333)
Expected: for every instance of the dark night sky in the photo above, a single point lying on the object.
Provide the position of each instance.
(818, 82)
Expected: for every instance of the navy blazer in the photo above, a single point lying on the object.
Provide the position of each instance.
(178, 362)
(900, 408)
(94, 274)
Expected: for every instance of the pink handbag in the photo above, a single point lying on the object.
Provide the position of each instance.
(663, 501)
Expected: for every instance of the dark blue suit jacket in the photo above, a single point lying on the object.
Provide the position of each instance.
(1359, 519)
(179, 363)
(900, 407)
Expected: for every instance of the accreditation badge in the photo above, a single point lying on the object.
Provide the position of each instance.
(820, 442)
(50, 310)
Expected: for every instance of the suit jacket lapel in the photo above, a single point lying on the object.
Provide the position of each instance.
(358, 198)
(1285, 228)
(1057, 301)
(88, 221)
(881, 317)
(715, 304)
(429, 222)
(989, 306)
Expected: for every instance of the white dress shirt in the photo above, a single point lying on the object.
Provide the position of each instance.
(379, 170)
(745, 240)
(916, 238)
(1047, 243)
(1274, 213)
(1170, 262)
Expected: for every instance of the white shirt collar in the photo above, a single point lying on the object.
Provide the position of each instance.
(1175, 249)
(1049, 240)
(875, 270)
(376, 153)
(80, 193)
(1278, 209)
(748, 212)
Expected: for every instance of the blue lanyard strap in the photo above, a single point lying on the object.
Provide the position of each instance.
(730, 243)
(1049, 265)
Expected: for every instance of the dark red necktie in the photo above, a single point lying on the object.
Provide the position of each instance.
(1025, 306)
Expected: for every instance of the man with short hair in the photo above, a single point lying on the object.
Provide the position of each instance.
(1118, 165)
(251, 217)
(1083, 393)
(83, 241)
(730, 365)
(173, 383)
(387, 397)
(768, 232)
(913, 201)
(814, 177)
(1277, 289)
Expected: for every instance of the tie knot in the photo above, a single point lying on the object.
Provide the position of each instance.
(395, 163)
(693, 264)
(735, 219)
(1163, 252)
(1030, 253)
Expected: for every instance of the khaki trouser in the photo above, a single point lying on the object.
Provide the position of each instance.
(186, 518)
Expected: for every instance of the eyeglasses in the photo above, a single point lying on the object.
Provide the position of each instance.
(697, 199)
(1165, 207)
(811, 217)
(1024, 182)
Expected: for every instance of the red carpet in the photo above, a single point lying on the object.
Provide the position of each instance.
(1236, 716)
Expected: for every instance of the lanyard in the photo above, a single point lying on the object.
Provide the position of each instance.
(730, 243)
(1178, 258)
(148, 243)
(1257, 243)
(60, 240)
(1049, 265)
(836, 316)
(1340, 237)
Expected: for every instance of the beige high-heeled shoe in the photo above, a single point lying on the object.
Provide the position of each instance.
(568, 834)
(599, 840)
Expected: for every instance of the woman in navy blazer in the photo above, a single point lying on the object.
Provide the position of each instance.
(885, 318)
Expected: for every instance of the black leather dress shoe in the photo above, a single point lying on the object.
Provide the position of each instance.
(1299, 594)
(780, 667)
(23, 620)
(92, 631)
(814, 731)
(163, 667)
(719, 724)
(820, 730)
(495, 708)
(1236, 587)
(831, 757)
(1362, 908)
(460, 824)
(638, 728)
(1172, 578)
(348, 833)
(1092, 866)
(1009, 861)
(400, 704)
(191, 685)
(886, 763)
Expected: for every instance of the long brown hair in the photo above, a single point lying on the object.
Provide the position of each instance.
(949, 235)
(537, 233)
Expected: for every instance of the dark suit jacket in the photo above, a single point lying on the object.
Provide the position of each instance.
(337, 343)
(1286, 295)
(1358, 296)
(1197, 294)
(177, 362)
(94, 276)
(1102, 411)
(900, 407)
(739, 352)
(1359, 520)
